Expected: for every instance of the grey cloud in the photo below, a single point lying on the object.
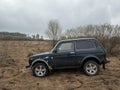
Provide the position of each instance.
(32, 16)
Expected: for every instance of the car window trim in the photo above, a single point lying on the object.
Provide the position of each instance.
(84, 49)
(67, 51)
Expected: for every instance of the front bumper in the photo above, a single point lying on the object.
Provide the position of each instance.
(28, 65)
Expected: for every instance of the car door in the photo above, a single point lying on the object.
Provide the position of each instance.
(64, 57)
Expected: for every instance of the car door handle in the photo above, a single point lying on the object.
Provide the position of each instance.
(72, 52)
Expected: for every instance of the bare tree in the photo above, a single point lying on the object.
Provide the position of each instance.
(108, 35)
(54, 31)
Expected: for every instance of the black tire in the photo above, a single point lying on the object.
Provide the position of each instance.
(91, 68)
(40, 70)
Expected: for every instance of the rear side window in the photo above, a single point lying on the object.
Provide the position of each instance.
(85, 45)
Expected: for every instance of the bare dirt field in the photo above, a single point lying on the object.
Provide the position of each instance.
(14, 75)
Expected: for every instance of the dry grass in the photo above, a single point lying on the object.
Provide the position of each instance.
(17, 77)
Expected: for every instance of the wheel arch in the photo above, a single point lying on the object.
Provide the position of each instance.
(93, 58)
(41, 61)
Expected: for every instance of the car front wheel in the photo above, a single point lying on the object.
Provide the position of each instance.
(40, 70)
(91, 68)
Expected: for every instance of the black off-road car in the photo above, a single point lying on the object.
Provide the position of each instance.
(85, 53)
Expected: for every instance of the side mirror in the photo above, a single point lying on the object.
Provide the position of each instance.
(55, 51)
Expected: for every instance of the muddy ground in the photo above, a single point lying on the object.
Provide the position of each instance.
(14, 75)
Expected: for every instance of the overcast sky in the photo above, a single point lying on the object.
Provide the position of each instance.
(32, 16)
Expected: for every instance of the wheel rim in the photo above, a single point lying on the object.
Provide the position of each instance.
(91, 68)
(40, 70)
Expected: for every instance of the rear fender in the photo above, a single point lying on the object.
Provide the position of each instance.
(91, 57)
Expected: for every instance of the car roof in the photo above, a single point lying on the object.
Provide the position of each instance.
(77, 39)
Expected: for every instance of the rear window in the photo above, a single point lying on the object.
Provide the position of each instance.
(85, 45)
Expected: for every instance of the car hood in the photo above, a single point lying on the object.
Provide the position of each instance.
(41, 55)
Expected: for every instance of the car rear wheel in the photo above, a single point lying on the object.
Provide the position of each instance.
(40, 70)
(91, 68)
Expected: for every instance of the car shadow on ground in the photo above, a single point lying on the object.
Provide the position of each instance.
(66, 71)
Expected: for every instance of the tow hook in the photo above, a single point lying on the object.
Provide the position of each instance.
(104, 64)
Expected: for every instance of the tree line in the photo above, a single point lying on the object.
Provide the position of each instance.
(108, 35)
(18, 36)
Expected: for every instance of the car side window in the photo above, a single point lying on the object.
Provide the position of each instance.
(85, 45)
(66, 47)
